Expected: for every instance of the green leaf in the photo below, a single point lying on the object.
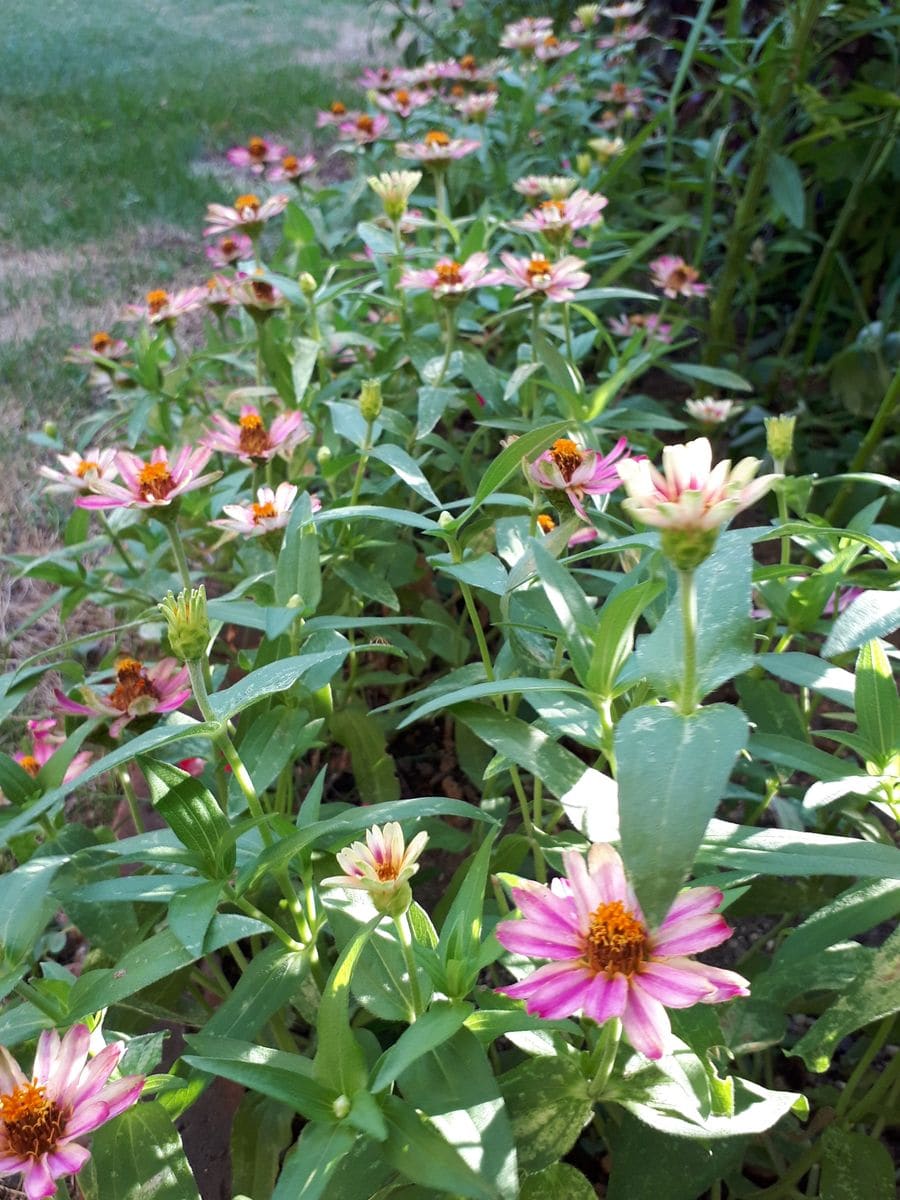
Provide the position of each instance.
(650, 1165)
(303, 363)
(297, 571)
(278, 677)
(861, 907)
(16, 785)
(548, 1103)
(416, 1149)
(433, 403)
(406, 469)
(460, 940)
(373, 768)
(508, 462)
(497, 687)
(614, 634)
(26, 905)
(272, 977)
(717, 377)
(138, 1156)
(190, 914)
(339, 1060)
(433, 1027)
(877, 706)
(193, 815)
(855, 1167)
(872, 996)
(789, 852)
(672, 772)
(559, 1182)
(454, 1085)
(786, 185)
(871, 615)
(275, 1073)
(798, 756)
(378, 240)
(569, 603)
(808, 671)
(260, 1134)
(309, 1166)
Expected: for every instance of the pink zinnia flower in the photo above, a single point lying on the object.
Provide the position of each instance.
(249, 439)
(557, 187)
(336, 114)
(138, 692)
(248, 214)
(605, 961)
(66, 1097)
(621, 12)
(709, 411)
(621, 93)
(383, 864)
(293, 167)
(153, 483)
(230, 249)
(690, 494)
(255, 155)
(272, 511)
(551, 48)
(526, 34)
(103, 348)
(218, 295)
(44, 744)
(80, 472)
(477, 106)
(402, 102)
(380, 78)
(556, 219)
(257, 296)
(161, 305)
(437, 148)
(537, 276)
(649, 322)
(567, 467)
(448, 278)
(365, 129)
(674, 277)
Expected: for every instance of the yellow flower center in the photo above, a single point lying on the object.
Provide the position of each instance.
(100, 342)
(567, 457)
(448, 273)
(85, 467)
(338, 109)
(157, 301)
(254, 439)
(131, 683)
(256, 148)
(290, 162)
(154, 480)
(365, 123)
(30, 766)
(538, 268)
(249, 201)
(263, 511)
(34, 1124)
(546, 524)
(386, 871)
(437, 137)
(616, 941)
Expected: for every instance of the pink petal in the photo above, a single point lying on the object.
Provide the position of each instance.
(68, 1159)
(542, 905)
(98, 1070)
(645, 1022)
(694, 902)
(86, 1117)
(671, 986)
(11, 1075)
(725, 985)
(121, 1094)
(47, 1051)
(608, 874)
(525, 937)
(690, 936)
(11, 1164)
(552, 992)
(585, 889)
(62, 1082)
(605, 997)
(37, 1180)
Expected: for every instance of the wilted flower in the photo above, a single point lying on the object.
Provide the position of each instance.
(364, 129)
(605, 961)
(395, 189)
(229, 250)
(42, 1118)
(649, 322)
(550, 48)
(557, 219)
(437, 148)
(249, 439)
(674, 277)
(447, 278)
(255, 155)
(526, 34)
(537, 276)
(138, 692)
(402, 101)
(271, 511)
(150, 484)
(382, 867)
(80, 472)
(606, 148)
(293, 167)
(248, 214)
(709, 411)
(161, 305)
(567, 467)
(557, 187)
(44, 744)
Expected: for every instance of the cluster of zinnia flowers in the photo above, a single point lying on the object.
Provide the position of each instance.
(264, 155)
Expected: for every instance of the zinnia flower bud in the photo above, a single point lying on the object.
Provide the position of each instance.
(188, 623)
(780, 439)
(370, 400)
(308, 284)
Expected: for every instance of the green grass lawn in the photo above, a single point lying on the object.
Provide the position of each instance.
(114, 115)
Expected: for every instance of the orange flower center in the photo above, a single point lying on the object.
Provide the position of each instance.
(551, 41)
(131, 684)
(263, 292)
(228, 246)
(467, 62)
(365, 123)
(537, 267)
(616, 942)
(557, 206)
(249, 201)
(154, 480)
(437, 137)
(157, 301)
(254, 440)
(546, 524)
(448, 273)
(337, 108)
(100, 342)
(256, 148)
(681, 276)
(290, 162)
(386, 871)
(619, 91)
(263, 511)
(401, 97)
(34, 1124)
(567, 457)
(30, 766)
(458, 90)
(85, 467)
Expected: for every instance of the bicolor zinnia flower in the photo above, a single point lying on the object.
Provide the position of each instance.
(551, 48)
(606, 148)
(139, 692)
(448, 279)
(537, 276)
(689, 493)
(44, 744)
(621, 12)
(67, 1097)
(605, 961)
(570, 468)
(557, 219)
(709, 411)
(382, 866)
(271, 511)
(230, 249)
(437, 148)
(153, 483)
(659, 330)
(256, 154)
(80, 472)
(526, 34)
(403, 101)
(293, 167)
(249, 439)
(672, 275)
(476, 106)
(364, 129)
(160, 305)
(248, 215)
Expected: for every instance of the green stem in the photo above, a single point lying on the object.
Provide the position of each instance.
(860, 461)
(876, 1042)
(178, 550)
(605, 1055)
(251, 910)
(440, 200)
(781, 500)
(567, 326)
(449, 340)
(361, 465)
(118, 543)
(44, 1004)
(131, 800)
(688, 589)
(404, 934)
